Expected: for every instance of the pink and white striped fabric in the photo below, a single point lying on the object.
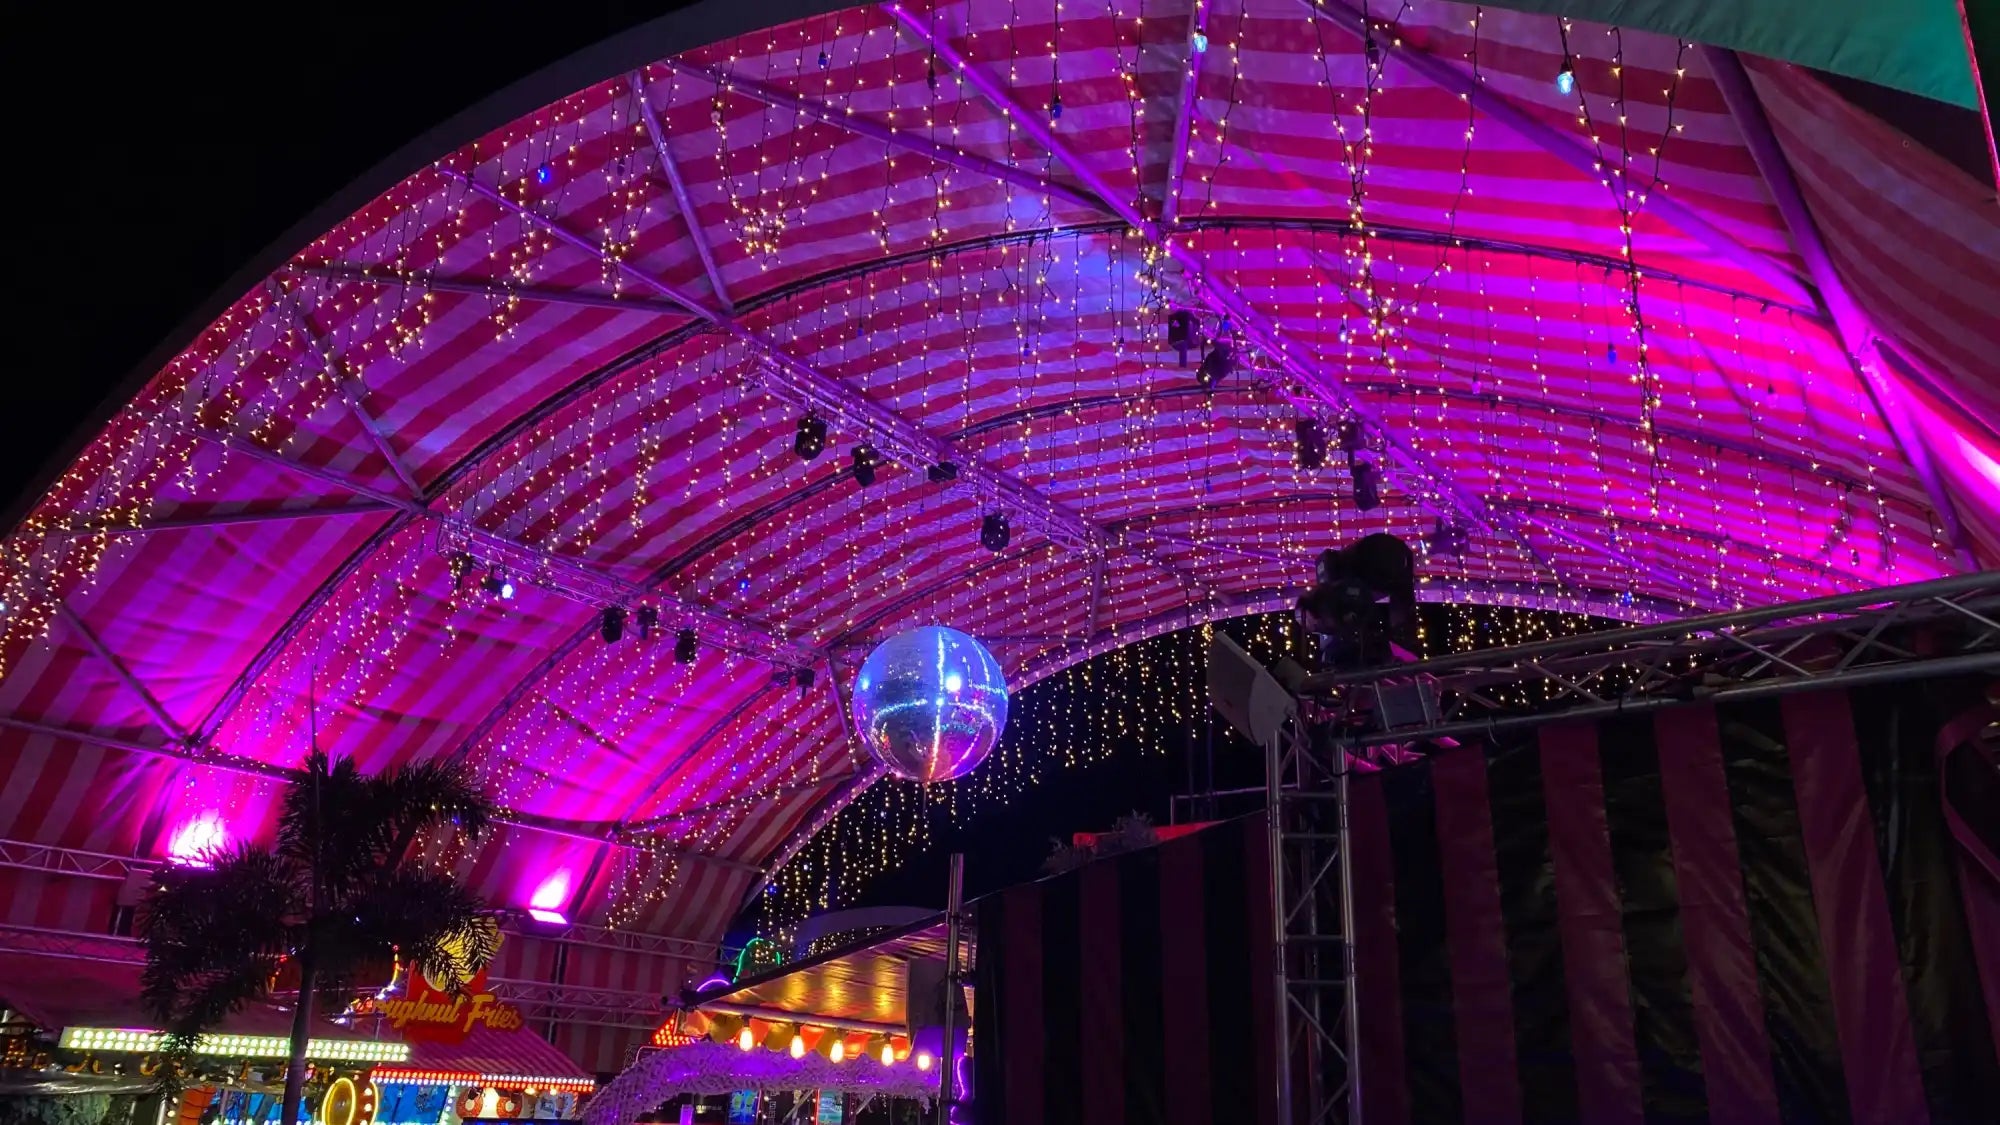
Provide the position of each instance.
(1687, 436)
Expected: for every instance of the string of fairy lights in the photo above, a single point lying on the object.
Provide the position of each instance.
(1149, 697)
(646, 443)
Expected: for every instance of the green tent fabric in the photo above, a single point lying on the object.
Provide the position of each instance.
(1914, 45)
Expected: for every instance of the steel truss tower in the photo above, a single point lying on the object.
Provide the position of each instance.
(1942, 628)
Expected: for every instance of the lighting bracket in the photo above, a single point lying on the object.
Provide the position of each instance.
(582, 584)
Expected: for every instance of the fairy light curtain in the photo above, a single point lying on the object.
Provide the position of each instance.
(581, 346)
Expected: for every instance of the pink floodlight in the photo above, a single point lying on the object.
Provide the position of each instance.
(196, 841)
(546, 904)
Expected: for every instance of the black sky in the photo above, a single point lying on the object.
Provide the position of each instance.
(158, 148)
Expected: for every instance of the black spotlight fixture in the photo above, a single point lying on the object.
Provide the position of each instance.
(686, 646)
(1311, 443)
(1352, 440)
(811, 439)
(865, 459)
(1180, 333)
(1217, 365)
(994, 532)
(612, 626)
(803, 677)
(498, 584)
(1448, 540)
(648, 619)
(1367, 485)
(944, 472)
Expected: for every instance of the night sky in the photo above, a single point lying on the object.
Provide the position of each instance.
(170, 144)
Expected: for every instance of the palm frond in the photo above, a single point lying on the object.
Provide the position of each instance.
(428, 794)
(234, 919)
(432, 920)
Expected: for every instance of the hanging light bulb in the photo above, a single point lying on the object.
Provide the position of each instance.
(1200, 42)
(798, 1048)
(744, 1039)
(888, 1054)
(839, 1051)
(1566, 78)
(923, 1060)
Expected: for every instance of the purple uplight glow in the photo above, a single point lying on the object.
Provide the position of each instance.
(196, 841)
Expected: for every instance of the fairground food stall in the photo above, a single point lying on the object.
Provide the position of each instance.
(80, 1049)
(832, 1039)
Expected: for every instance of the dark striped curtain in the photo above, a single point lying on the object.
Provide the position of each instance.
(1134, 991)
(1772, 911)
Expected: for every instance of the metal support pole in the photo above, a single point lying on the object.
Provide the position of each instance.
(1274, 789)
(1352, 1032)
(954, 923)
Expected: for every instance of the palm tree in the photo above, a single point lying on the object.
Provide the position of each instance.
(332, 897)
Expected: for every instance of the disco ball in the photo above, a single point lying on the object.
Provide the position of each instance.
(930, 703)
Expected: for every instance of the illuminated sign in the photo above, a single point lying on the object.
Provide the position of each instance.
(431, 1013)
(139, 1042)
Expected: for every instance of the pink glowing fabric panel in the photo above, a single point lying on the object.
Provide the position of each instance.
(576, 409)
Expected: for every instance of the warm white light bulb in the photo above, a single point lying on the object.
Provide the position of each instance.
(923, 1060)
(798, 1045)
(745, 1040)
(888, 1055)
(839, 1051)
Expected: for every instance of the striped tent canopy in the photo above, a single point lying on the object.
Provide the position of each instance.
(1687, 333)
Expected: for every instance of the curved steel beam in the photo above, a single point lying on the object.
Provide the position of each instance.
(898, 436)
(1184, 111)
(1856, 329)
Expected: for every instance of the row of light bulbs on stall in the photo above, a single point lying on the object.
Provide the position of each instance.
(747, 1040)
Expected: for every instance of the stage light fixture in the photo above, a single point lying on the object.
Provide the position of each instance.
(648, 619)
(1447, 540)
(1352, 440)
(865, 459)
(1311, 443)
(811, 439)
(1217, 365)
(1367, 486)
(498, 584)
(994, 532)
(1180, 333)
(458, 564)
(803, 678)
(612, 625)
(944, 472)
(686, 647)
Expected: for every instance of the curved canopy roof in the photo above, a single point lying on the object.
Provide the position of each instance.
(1694, 336)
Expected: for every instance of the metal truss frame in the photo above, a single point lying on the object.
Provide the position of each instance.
(25, 855)
(542, 1000)
(49, 859)
(579, 1004)
(1843, 640)
(1312, 919)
